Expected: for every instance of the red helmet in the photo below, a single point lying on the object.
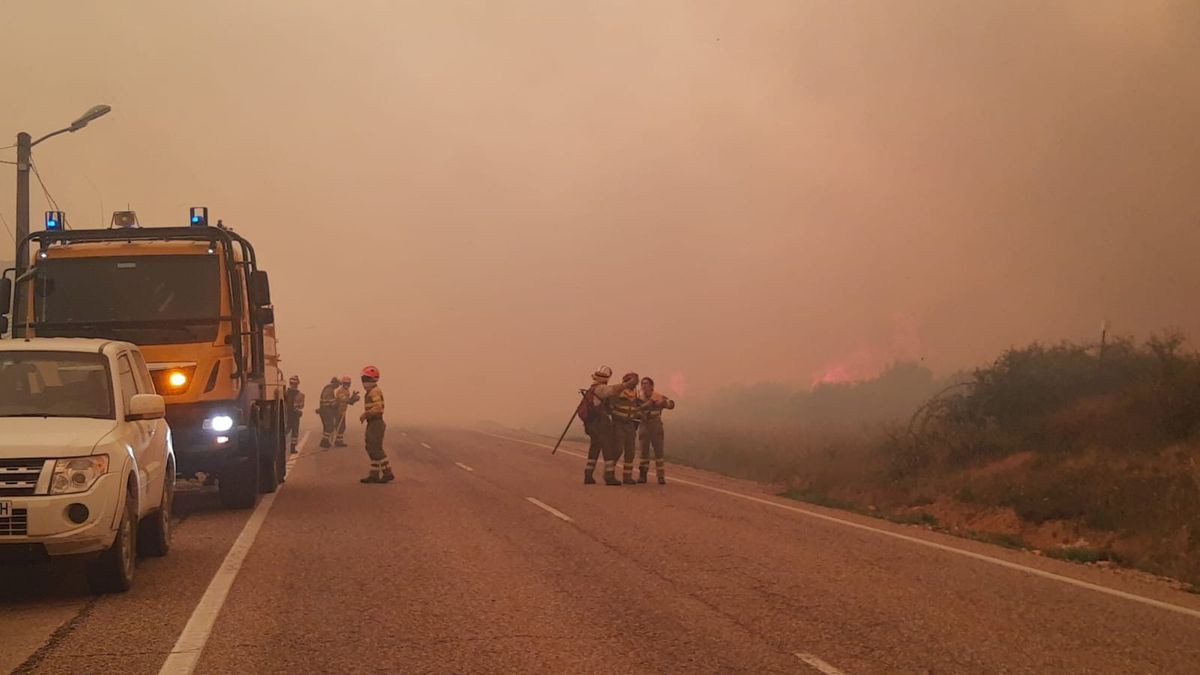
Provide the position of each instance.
(371, 372)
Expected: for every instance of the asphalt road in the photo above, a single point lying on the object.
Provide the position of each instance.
(489, 555)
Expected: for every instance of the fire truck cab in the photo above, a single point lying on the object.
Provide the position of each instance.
(196, 303)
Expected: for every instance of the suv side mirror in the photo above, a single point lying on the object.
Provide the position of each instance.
(264, 316)
(260, 289)
(146, 407)
(6, 289)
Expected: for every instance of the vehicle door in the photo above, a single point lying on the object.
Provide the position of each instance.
(156, 459)
(137, 432)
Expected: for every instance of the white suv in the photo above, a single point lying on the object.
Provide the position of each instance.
(86, 464)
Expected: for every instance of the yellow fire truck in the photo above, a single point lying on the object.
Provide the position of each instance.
(196, 303)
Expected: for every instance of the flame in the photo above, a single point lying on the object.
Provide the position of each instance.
(867, 360)
(677, 383)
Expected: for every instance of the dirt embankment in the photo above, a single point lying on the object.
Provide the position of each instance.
(1090, 508)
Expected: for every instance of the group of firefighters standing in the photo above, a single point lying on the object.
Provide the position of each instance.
(618, 418)
(335, 402)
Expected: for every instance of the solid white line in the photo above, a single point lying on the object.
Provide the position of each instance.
(186, 653)
(426, 445)
(464, 467)
(914, 540)
(553, 511)
(300, 443)
(819, 664)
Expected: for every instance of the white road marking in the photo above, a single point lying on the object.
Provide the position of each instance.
(464, 467)
(553, 511)
(300, 443)
(1132, 597)
(819, 664)
(426, 445)
(186, 653)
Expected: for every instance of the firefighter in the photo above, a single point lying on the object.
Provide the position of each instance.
(293, 402)
(327, 409)
(651, 405)
(623, 406)
(597, 424)
(344, 399)
(381, 469)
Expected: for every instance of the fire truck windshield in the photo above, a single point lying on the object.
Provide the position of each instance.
(158, 299)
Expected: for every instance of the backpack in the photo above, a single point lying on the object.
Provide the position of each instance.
(590, 409)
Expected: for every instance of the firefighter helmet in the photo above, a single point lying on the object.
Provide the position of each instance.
(370, 373)
(294, 380)
(346, 380)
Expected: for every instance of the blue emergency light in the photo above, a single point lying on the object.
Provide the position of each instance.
(199, 216)
(55, 220)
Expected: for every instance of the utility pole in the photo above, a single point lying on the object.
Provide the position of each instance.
(24, 148)
(25, 145)
(21, 262)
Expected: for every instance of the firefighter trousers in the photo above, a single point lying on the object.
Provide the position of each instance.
(600, 443)
(625, 435)
(340, 430)
(293, 427)
(650, 438)
(374, 442)
(328, 425)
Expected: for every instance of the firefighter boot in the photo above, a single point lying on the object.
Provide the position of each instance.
(610, 478)
(372, 477)
(588, 478)
(642, 471)
(388, 476)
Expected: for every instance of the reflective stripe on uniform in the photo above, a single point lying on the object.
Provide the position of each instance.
(623, 406)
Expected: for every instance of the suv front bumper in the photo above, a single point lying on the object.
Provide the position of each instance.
(47, 523)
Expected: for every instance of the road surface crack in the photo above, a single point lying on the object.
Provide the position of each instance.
(35, 659)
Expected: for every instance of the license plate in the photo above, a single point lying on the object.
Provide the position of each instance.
(5, 509)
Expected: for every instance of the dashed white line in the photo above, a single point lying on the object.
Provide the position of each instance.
(426, 445)
(550, 509)
(186, 653)
(464, 467)
(819, 664)
(1132, 597)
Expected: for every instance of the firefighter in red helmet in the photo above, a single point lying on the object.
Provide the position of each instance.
(381, 469)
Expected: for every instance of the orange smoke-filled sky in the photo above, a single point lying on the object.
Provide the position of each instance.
(489, 199)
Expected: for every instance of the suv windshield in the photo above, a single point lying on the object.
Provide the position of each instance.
(160, 299)
(55, 384)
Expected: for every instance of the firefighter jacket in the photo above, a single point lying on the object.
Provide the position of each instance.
(344, 399)
(624, 406)
(373, 404)
(652, 408)
(329, 397)
(293, 400)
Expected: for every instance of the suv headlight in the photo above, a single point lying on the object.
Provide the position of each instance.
(77, 474)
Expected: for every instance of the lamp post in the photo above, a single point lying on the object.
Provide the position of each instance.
(24, 152)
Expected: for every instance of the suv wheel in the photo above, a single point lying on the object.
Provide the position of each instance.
(112, 572)
(154, 532)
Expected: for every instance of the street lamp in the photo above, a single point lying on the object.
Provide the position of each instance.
(24, 150)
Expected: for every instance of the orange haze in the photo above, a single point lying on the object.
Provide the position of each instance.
(489, 199)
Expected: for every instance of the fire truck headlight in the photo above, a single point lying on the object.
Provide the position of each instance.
(220, 423)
